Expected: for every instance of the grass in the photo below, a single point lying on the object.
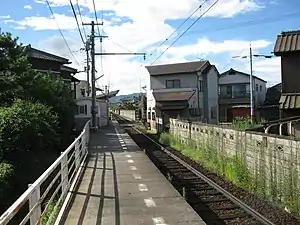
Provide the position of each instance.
(143, 129)
(51, 210)
(236, 171)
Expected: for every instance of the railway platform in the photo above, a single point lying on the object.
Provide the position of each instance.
(119, 185)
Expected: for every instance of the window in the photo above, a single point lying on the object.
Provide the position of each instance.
(260, 88)
(201, 85)
(213, 112)
(228, 89)
(82, 92)
(82, 109)
(153, 115)
(149, 115)
(173, 83)
(256, 87)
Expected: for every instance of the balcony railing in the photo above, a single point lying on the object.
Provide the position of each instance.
(234, 95)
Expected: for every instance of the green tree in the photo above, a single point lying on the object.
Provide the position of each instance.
(19, 80)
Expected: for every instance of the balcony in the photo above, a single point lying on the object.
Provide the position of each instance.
(234, 95)
(234, 98)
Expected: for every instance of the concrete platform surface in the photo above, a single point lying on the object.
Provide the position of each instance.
(119, 185)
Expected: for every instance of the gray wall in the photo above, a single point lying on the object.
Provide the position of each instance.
(273, 161)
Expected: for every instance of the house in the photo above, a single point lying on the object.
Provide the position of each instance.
(269, 110)
(80, 90)
(187, 90)
(234, 94)
(84, 112)
(45, 62)
(287, 46)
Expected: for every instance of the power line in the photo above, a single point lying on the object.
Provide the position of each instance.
(121, 46)
(61, 33)
(74, 13)
(199, 7)
(79, 12)
(250, 23)
(185, 31)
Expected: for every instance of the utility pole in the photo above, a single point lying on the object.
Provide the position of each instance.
(251, 85)
(93, 78)
(251, 76)
(87, 48)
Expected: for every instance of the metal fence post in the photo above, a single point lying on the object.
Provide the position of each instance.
(64, 175)
(77, 155)
(33, 199)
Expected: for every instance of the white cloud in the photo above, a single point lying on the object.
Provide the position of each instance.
(27, 7)
(145, 25)
(5, 17)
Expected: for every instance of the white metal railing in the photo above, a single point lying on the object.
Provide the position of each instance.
(49, 194)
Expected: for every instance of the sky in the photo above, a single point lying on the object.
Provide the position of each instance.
(220, 33)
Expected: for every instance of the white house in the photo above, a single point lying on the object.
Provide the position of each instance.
(182, 89)
(81, 89)
(84, 112)
(234, 94)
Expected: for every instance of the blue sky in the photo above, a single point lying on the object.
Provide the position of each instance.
(225, 31)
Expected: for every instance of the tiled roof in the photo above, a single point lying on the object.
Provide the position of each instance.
(289, 101)
(173, 96)
(68, 69)
(188, 67)
(287, 42)
(246, 74)
(38, 54)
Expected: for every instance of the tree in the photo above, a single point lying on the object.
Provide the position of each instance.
(19, 80)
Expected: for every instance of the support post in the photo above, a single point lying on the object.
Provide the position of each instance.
(64, 175)
(33, 199)
(77, 154)
(251, 87)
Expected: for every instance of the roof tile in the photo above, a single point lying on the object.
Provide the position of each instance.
(287, 42)
(176, 68)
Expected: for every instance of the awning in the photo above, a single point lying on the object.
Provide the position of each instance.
(289, 101)
(173, 96)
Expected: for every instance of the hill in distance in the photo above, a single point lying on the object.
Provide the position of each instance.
(117, 99)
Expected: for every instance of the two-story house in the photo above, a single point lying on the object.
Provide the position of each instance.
(182, 90)
(45, 62)
(234, 94)
(288, 47)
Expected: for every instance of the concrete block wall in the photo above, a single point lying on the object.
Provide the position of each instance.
(128, 114)
(272, 160)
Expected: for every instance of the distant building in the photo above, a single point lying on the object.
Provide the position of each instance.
(234, 94)
(185, 90)
(84, 112)
(80, 90)
(269, 110)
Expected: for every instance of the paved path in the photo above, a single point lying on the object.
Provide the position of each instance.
(133, 189)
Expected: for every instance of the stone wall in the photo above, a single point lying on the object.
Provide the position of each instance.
(272, 161)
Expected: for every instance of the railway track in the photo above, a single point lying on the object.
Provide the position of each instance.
(214, 204)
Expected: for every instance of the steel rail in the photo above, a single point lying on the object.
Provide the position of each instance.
(256, 215)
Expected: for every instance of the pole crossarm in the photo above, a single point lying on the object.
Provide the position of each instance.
(114, 53)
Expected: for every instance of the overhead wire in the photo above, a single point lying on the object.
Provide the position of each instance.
(210, 7)
(249, 23)
(175, 31)
(80, 15)
(74, 13)
(61, 33)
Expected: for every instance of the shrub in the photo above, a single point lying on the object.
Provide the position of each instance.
(6, 177)
(26, 126)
